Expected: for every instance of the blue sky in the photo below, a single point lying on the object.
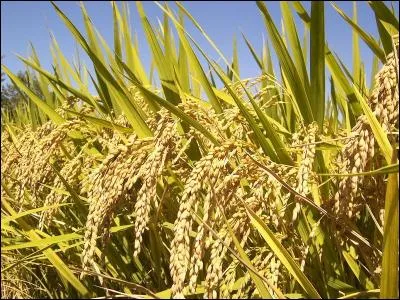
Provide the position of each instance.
(25, 21)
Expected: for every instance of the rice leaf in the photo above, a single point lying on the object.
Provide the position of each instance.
(388, 24)
(132, 111)
(173, 109)
(367, 38)
(8, 219)
(317, 61)
(282, 254)
(389, 287)
(294, 42)
(162, 62)
(252, 51)
(357, 271)
(50, 112)
(196, 67)
(293, 78)
(56, 261)
(356, 50)
(262, 289)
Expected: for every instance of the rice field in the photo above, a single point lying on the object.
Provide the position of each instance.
(264, 188)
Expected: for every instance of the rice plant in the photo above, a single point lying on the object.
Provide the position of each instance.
(264, 188)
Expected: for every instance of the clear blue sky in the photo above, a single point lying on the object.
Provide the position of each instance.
(25, 21)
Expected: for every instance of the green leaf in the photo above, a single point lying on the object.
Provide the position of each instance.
(196, 67)
(356, 49)
(83, 92)
(101, 122)
(282, 254)
(367, 38)
(265, 144)
(131, 49)
(56, 261)
(357, 271)
(51, 240)
(262, 289)
(169, 43)
(341, 81)
(390, 261)
(317, 61)
(301, 11)
(293, 39)
(255, 56)
(340, 285)
(334, 68)
(172, 108)
(261, 139)
(293, 78)
(8, 219)
(117, 34)
(131, 110)
(86, 97)
(183, 63)
(43, 82)
(95, 48)
(50, 112)
(164, 66)
(387, 23)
